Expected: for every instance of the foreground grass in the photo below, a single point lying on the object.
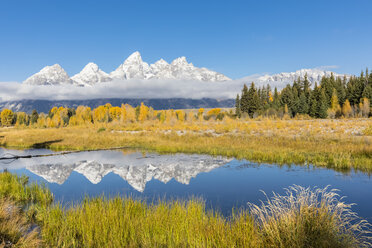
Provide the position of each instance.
(301, 218)
(338, 144)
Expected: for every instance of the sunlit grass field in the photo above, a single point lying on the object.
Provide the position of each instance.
(341, 144)
(302, 217)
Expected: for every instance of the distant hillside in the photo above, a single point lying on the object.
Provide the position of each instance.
(170, 103)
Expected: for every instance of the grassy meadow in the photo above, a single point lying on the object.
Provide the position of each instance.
(302, 217)
(340, 144)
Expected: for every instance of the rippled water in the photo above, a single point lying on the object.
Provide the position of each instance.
(223, 183)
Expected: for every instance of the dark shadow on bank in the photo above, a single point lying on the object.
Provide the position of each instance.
(45, 145)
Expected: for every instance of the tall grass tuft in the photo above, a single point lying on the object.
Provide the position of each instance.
(15, 230)
(18, 189)
(119, 222)
(306, 217)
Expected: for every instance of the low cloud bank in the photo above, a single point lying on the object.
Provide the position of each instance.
(10, 91)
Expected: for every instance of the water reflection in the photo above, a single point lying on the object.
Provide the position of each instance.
(223, 183)
(134, 167)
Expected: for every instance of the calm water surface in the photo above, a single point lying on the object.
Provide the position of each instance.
(223, 183)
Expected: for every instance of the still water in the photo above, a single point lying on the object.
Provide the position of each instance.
(223, 183)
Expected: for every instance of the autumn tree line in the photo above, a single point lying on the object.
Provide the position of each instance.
(83, 115)
(332, 98)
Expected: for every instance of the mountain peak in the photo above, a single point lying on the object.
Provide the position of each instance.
(49, 75)
(180, 61)
(161, 62)
(134, 57)
(91, 66)
(91, 74)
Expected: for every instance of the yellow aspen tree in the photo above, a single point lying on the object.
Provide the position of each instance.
(214, 111)
(22, 119)
(131, 113)
(53, 111)
(100, 114)
(123, 116)
(73, 121)
(347, 111)
(63, 114)
(7, 117)
(41, 121)
(83, 115)
(335, 110)
(180, 115)
(143, 114)
(151, 113)
(200, 113)
(169, 115)
(365, 107)
(115, 113)
(162, 116)
(49, 122)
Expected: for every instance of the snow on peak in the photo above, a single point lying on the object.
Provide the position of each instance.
(134, 58)
(49, 75)
(132, 68)
(180, 61)
(91, 74)
(280, 80)
(313, 75)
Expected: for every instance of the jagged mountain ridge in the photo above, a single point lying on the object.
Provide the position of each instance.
(136, 171)
(313, 75)
(132, 68)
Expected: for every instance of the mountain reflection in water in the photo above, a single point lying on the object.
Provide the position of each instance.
(136, 168)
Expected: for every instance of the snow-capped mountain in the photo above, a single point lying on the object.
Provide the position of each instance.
(50, 75)
(132, 68)
(313, 75)
(90, 75)
(134, 169)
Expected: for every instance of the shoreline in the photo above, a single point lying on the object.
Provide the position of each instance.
(335, 151)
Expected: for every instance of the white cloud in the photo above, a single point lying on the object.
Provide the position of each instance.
(123, 89)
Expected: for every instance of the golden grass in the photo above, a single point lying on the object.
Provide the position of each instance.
(301, 218)
(131, 223)
(306, 217)
(15, 228)
(337, 144)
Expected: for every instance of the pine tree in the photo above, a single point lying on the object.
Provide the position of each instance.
(295, 108)
(303, 105)
(34, 116)
(244, 100)
(237, 106)
(306, 86)
(322, 105)
(276, 100)
(286, 96)
(253, 100)
(313, 108)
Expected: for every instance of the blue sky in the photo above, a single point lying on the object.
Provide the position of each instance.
(237, 38)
